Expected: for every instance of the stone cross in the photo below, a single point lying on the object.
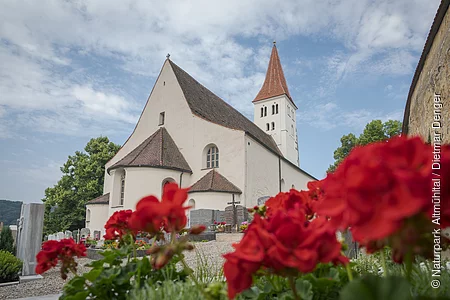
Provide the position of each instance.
(233, 202)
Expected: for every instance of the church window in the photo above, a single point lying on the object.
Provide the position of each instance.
(276, 108)
(212, 157)
(122, 189)
(161, 118)
(267, 126)
(273, 125)
(265, 111)
(273, 109)
(262, 112)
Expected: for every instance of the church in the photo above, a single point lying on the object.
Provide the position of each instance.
(188, 135)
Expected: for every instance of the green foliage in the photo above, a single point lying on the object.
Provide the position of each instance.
(82, 180)
(207, 271)
(7, 240)
(169, 290)
(10, 211)
(10, 267)
(373, 288)
(374, 131)
(110, 278)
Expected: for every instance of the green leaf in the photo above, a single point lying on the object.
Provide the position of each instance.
(377, 288)
(304, 289)
(92, 274)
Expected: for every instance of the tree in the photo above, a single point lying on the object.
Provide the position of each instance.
(82, 180)
(7, 240)
(374, 131)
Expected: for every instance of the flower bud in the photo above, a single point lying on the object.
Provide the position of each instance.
(161, 261)
(188, 247)
(197, 229)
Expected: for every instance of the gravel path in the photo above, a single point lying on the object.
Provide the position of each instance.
(211, 253)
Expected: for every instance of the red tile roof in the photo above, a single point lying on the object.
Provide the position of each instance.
(157, 151)
(214, 182)
(275, 83)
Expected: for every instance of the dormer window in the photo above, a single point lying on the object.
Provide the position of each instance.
(162, 116)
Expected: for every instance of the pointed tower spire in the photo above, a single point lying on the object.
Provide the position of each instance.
(275, 83)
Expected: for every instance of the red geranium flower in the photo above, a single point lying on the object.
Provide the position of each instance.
(118, 225)
(64, 250)
(151, 214)
(282, 242)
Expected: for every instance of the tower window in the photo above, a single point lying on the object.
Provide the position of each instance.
(273, 109)
(273, 125)
(265, 111)
(267, 126)
(122, 189)
(276, 109)
(212, 157)
(161, 118)
(262, 112)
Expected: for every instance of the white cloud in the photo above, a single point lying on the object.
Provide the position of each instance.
(39, 39)
(329, 115)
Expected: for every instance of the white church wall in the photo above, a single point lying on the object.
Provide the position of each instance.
(141, 182)
(212, 200)
(261, 172)
(96, 216)
(293, 177)
(191, 134)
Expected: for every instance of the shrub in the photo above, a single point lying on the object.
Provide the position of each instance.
(10, 266)
(7, 240)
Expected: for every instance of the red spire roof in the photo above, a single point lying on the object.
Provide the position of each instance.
(275, 83)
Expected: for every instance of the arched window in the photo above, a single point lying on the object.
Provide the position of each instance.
(191, 203)
(267, 126)
(276, 109)
(273, 109)
(122, 189)
(273, 125)
(262, 112)
(211, 156)
(164, 182)
(88, 217)
(265, 111)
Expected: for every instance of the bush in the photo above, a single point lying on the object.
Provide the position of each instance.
(10, 266)
(7, 240)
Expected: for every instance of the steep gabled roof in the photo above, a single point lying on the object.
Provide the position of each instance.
(440, 14)
(205, 104)
(275, 82)
(103, 199)
(214, 182)
(157, 151)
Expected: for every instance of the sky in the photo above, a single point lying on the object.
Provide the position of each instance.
(74, 70)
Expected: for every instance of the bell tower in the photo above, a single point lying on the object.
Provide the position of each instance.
(275, 111)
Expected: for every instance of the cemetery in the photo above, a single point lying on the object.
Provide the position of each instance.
(167, 215)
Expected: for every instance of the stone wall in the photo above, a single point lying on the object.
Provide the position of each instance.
(434, 78)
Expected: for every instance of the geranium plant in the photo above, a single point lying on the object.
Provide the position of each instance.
(383, 193)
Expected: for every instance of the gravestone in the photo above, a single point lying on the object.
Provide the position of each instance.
(205, 217)
(75, 234)
(241, 214)
(68, 234)
(60, 236)
(97, 235)
(262, 200)
(84, 232)
(29, 236)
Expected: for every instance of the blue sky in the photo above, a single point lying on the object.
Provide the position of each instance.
(73, 70)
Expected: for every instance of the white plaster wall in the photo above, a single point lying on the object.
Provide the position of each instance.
(261, 172)
(293, 176)
(212, 200)
(141, 182)
(99, 216)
